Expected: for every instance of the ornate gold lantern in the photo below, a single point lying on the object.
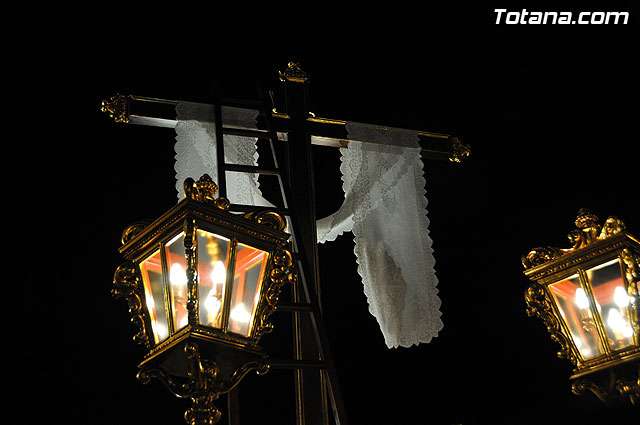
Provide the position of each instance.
(201, 283)
(587, 296)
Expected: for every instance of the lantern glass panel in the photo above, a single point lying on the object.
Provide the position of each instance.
(247, 282)
(213, 253)
(612, 301)
(177, 266)
(154, 295)
(574, 307)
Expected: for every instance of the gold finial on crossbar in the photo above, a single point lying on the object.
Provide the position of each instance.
(117, 107)
(293, 73)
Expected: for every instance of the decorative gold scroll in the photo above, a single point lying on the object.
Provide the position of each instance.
(204, 191)
(204, 383)
(588, 231)
(126, 284)
(117, 107)
(460, 151)
(293, 73)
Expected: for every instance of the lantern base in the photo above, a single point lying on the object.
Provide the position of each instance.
(201, 370)
(227, 353)
(615, 384)
(203, 411)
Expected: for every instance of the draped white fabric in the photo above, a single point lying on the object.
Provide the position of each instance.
(196, 150)
(384, 207)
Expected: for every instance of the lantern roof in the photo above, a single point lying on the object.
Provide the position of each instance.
(590, 242)
(262, 227)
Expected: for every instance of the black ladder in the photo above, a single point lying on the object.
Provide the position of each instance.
(314, 369)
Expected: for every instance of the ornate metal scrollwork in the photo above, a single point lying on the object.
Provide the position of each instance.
(204, 191)
(540, 255)
(293, 73)
(611, 391)
(204, 384)
(191, 271)
(460, 151)
(539, 305)
(203, 375)
(268, 218)
(179, 387)
(283, 272)
(587, 223)
(117, 107)
(127, 285)
(631, 267)
(132, 230)
(581, 386)
(629, 388)
(631, 263)
(588, 231)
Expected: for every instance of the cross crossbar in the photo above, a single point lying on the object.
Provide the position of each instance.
(156, 112)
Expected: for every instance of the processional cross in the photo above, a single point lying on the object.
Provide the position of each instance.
(315, 376)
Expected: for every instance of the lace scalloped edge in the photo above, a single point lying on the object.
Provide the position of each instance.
(336, 231)
(434, 314)
(182, 130)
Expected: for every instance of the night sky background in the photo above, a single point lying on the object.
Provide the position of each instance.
(550, 113)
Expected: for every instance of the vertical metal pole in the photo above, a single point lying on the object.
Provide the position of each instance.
(217, 116)
(311, 397)
(298, 355)
(233, 407)
(300, 172)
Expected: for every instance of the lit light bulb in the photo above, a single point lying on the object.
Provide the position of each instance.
(615, 320)
(581, 299)
(240, 313)
(177, 276)
(212, 303)
(150, 304)
(219, 272)
(161, 330)
(577, 341)
(618, 324)
(185, 321)
(620, 297)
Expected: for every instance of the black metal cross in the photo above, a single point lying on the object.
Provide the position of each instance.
(156, 112)
(303, 130)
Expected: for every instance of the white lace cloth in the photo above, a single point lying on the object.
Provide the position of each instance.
(384, 207)
(196, 150)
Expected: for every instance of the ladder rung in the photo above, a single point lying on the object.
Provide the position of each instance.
(296, 364)
(251, 169)
(260, 134)
(293, 307)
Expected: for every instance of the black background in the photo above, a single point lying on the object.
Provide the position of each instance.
(550, 113)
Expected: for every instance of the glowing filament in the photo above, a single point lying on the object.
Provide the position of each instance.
(212, 303)
(185, 321)
(219, 272)
(240, 314)
(617, 323)
(161, 330)
(177, 276)
(620, 297)
(151, 305)
(581, 299)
